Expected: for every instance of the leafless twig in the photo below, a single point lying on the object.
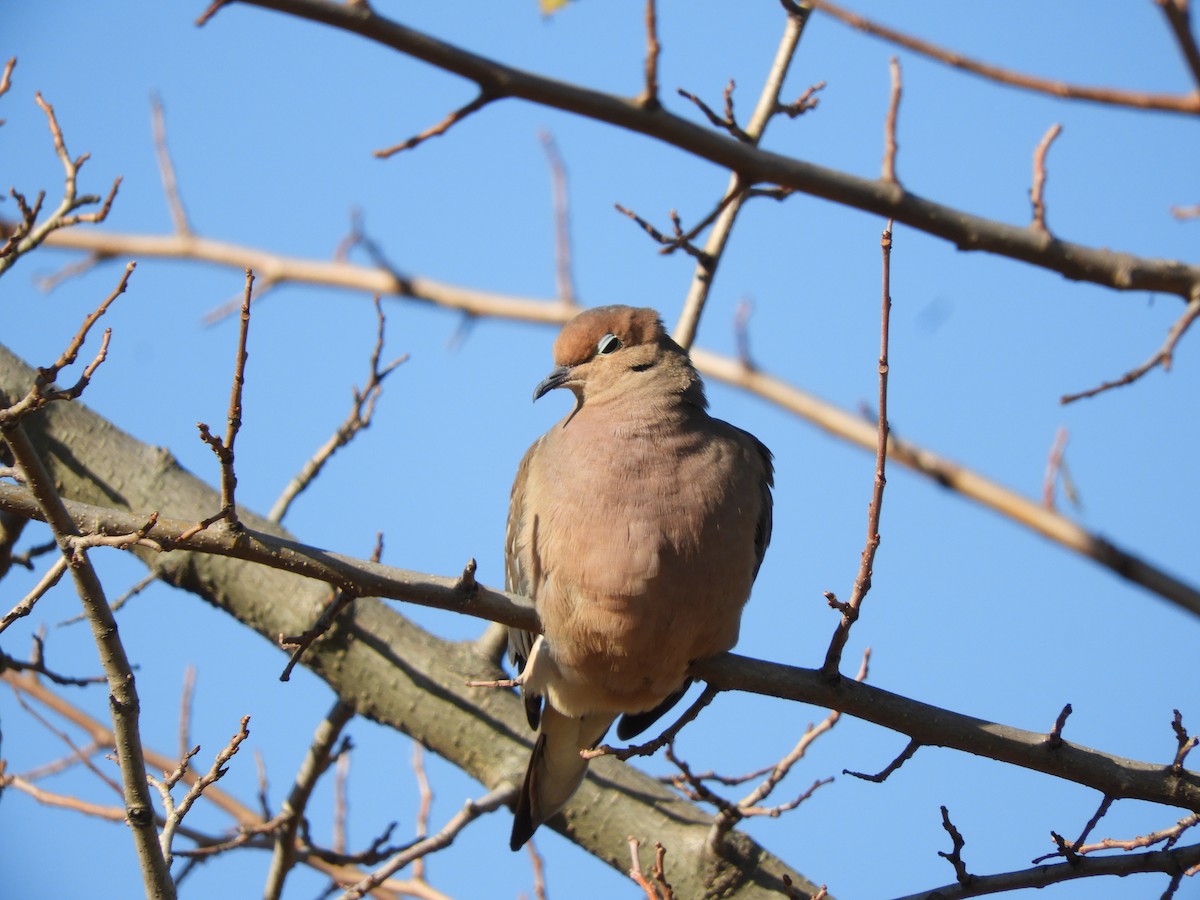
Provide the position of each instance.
(482, 100)
(166, 168)
(667, 737)
(27, 234)
(562, 220)
(738, 189)
(224, 448)
(655, 884)
(283, 856)
(889, 129)
(1182, 103)
(862, 581)
(473, 809)
(176, 812)
(1037, 191)
(1162, 357)
(649, 96)
(359, 418)
(42, 391)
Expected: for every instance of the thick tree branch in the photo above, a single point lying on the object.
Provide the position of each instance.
(837, 422)
(380, 664)
(245, 592)
(1122, 271)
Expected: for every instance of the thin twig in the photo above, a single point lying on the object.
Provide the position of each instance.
(890, 145)
(166, 168)
(1054, 467)
(118, 672)
(862, 581)
(440, 128)
(473, 809)
(359, 418)
(1182, 103)
(649, 748)
(1162, 357)
(648, 99)
(224, 448)
(316, 761)
(185, 710)
(954, 857)
(43, 391)
(215, 773)
(53, 575)
(425, 793)
(1037, 191)
(562, 220)
(731, 201)
(28, 235)
(6, 78)
(881, 776)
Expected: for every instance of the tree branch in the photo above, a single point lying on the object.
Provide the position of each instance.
(966, 231)
(837, 422)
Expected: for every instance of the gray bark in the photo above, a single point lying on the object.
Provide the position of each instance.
(387, 668)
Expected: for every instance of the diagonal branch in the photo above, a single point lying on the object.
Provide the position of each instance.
(1161, 357)
(1121, 778)
(841, 424)
(735, 192)
(1179, 103)
(969, 232)
(1179, 17)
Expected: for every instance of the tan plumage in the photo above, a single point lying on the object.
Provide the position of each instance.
(637, 525)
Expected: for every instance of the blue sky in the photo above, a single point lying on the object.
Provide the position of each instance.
(271, 124)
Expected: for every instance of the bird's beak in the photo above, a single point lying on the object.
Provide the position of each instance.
(557, 378)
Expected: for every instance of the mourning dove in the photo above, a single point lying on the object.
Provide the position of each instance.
(637, 526)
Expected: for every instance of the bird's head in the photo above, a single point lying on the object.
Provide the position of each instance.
(618, 351)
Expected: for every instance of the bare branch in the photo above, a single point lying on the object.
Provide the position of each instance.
(889, 128)
(215, 773)
(881, 776)
(359, 418)
(25, 607)
(649, 96)
(224, 448)
(649, 748)
(954, 857)
(139, 812)
(28, 235)
(42, 391)
(862, 581)
(1179, 17)
(1170, 861)
(6, 78)
(440, 128)
(1162, 357)
(562, 220)
(283, 857)
(755, 165)
(473, 809)
(1037, 191)
(166, 168)
(736, 191)
(1181, 103)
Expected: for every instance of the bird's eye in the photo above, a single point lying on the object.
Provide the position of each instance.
(610, 343)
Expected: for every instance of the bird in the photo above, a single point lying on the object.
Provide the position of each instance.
(637, 526)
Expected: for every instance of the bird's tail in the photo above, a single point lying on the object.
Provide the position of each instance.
(555, 769)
